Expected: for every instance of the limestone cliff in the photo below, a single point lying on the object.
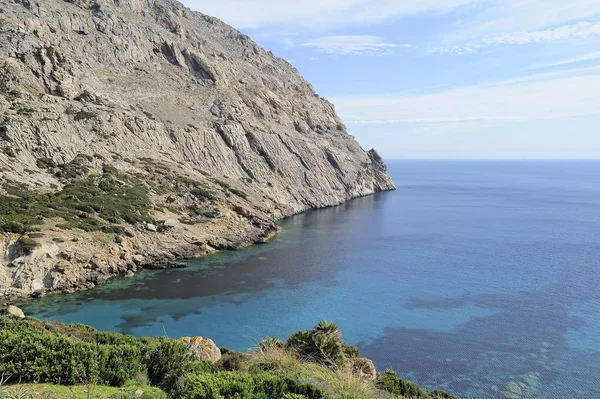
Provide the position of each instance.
(135, 131)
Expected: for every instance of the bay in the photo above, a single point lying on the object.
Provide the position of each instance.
(478, 277)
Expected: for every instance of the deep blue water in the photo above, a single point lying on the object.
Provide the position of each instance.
(472, 275)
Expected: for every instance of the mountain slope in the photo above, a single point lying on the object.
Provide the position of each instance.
(163, 126)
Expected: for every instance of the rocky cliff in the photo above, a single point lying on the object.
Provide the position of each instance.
(137, 131)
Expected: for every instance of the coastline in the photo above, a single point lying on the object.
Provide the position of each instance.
(83, 260)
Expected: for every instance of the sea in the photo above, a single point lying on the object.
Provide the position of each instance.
(481, 278)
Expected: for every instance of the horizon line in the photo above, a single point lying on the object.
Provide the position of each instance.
(491, 159)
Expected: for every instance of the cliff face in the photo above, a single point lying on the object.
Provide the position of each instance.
(214, 137)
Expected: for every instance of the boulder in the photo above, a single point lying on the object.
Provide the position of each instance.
(138, 259)
(202, 348)
(151, 227)
(170, 223)
(13, 311)
(363, 368)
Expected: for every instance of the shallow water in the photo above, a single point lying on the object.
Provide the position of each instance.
(474, 276)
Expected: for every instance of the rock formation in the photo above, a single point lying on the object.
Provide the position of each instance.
(202, 348)
(137, 131)
(12, 310)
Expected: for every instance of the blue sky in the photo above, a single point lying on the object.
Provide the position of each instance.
(443, 78)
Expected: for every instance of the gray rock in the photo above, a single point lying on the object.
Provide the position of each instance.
(138, 259)
(202, 348)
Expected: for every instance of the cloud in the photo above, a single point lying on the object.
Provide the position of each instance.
(535, 98)
(580, 30)
(568, 61)
(317, 15)
(525, 21)
(352, 45)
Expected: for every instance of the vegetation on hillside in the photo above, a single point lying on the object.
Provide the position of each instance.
(91, 203)
(312, 364)
(96, 196)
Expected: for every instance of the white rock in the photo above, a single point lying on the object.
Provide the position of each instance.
(150, 227)
(14, 311)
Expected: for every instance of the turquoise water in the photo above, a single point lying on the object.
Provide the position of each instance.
(472, 275)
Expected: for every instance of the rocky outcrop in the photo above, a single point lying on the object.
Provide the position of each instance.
(202, 348)
(222, 137)
(12, 310)
(363, 368)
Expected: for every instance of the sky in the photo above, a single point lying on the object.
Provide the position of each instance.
(443, 78)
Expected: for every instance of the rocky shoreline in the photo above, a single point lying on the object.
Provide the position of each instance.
(70, 261)
(86, 260)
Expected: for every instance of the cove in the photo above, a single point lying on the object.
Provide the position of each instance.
(477, 277)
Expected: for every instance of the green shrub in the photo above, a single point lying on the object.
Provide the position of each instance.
(397, 386)
(45, 163)
(243, 385)
(350, 351)
(9, 226)
(85, 203)
(231, 361)
(26, 245)
(36, 354)
(113, 229)
(322, 344)
(165, 360)
(270, 342)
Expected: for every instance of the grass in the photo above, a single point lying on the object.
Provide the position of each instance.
(339, 382)
(51, 391)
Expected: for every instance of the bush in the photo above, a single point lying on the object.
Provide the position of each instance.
(86, 203)
(269, 343)
(36, 354)
(165, 360)
(322, 344)
(231, 361)
(26, 245)
(243, 385)
(45, 163)
(351, 351)
(391, 383)
(11, 227)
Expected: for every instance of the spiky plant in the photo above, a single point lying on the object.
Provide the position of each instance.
(269, 343)
(351, 351)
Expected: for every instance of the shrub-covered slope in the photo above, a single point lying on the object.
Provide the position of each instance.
(311, 364)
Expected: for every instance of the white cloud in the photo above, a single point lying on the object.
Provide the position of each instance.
(518, 21)
(477, 23)
(578, 30)
(317, 15)
(353, 45)
(536, 98)
(568, 61)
